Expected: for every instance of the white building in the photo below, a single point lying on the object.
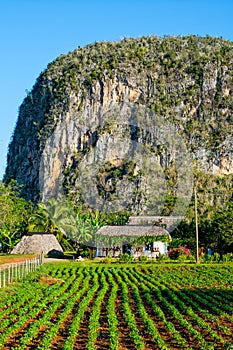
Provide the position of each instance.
(137, 240)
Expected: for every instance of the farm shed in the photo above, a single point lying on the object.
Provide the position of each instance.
(137, 240)
(37, 243)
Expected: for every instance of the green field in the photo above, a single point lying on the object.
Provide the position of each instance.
(118, 306)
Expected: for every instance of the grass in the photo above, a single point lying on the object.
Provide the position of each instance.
(13, 258)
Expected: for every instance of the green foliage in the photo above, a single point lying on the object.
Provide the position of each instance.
(227, 257)
(124, 257)
(150, 239)
(108, 260)
(60, 218)
(14, 214)
(53, 217)
(181, 253)
(221, 232)
(143, 258)
(161, 258)
(198, 298)
(66, 244)
(184, 235)
(215, 216)
(85, 251)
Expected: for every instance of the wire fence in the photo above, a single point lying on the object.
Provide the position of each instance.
(17, 271)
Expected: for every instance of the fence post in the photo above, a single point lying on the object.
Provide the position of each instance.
(4, 278)
(17, 271)
(19, 265)
(9, 274)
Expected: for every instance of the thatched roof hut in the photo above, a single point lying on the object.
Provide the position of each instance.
(133, 231)
(37, 243)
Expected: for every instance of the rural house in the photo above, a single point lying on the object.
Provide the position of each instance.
(142, 236)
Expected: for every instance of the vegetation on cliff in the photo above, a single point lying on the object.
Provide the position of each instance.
(186, 81)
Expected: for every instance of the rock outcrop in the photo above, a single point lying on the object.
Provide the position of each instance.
(103, 104)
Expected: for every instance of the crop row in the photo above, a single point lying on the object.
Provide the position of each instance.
(31, 310)
(180, 302)
(158, 311)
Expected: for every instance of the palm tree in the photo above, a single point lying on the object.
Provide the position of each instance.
(40, 221)
(53, 217)
(84, 231)
(60, 219)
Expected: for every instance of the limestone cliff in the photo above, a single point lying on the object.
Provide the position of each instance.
(117, 105)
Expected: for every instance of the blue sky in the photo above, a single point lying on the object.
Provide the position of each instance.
(35, 32)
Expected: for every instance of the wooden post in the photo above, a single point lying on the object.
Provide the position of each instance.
(41, 258)
(4, 278)
(9, 274)
(196, 224)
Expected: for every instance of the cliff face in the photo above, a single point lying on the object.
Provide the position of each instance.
(101, 120)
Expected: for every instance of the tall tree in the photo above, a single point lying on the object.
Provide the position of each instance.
(53, 217)
(220, 236)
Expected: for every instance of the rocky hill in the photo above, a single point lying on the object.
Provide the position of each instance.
(130, 125)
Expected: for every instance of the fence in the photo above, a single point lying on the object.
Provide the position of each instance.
(17, 271)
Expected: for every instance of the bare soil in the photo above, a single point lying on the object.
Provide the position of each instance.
(9, 259)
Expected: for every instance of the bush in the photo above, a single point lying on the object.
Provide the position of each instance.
(227, 257)
(216, 257)
(107, 260)
(181, 254)
(142, 258)
(125, 257)
(162, 257)
(206, 258)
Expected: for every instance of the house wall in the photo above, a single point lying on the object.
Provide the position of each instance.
(101, 251)
(162, 247)
(159, 247)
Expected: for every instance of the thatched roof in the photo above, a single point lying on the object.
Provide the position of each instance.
(37, 243)
(166, 221)
(133, 230)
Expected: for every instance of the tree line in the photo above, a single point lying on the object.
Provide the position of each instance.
(75, 224)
